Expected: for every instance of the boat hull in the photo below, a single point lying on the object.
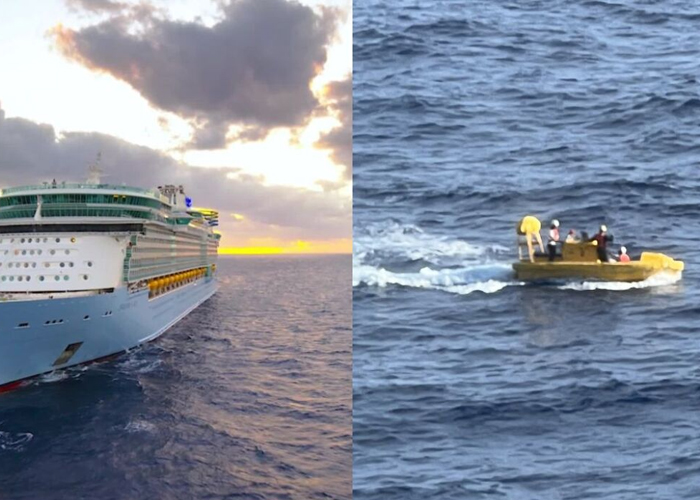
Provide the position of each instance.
(40, 336)
(626, 272)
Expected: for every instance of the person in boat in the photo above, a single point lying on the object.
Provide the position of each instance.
(571, 237)
(553, 240)
(602, 238)
(623, 255)
(529, 226)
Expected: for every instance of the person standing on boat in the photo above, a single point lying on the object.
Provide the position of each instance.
(553, 240)
(602, 238)
(529, 226)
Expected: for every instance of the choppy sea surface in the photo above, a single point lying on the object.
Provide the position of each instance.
(468, 115)
(247, 397)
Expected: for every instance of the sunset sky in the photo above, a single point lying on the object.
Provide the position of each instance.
(248, 103)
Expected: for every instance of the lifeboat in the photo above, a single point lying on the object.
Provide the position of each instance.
(579, 260)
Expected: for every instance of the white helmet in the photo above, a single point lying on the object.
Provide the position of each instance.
(623, 249)
(555, 223)
(604, 228)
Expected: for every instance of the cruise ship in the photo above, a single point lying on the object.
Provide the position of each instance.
(90, 270)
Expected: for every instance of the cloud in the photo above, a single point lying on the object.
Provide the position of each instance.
(253, 68)
(33, 153)
(339, 139)
(96, 5)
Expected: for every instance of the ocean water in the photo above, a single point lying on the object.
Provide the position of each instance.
(248, 397)
(468, 115)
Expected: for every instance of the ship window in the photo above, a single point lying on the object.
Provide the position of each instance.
(12, 278)
(19, 278)
(65, 278)
(72, 240)
(31, 252)
(67, 252)
(41, 278)
(24, 252)
(70, 264)
(29, 240)
(22, 240)
(85, 277)
(23, 325)
(45, 240)
(29, 278)
(9, 264)
(58, 240)
(26, 264)
(33, 264)
(57, 278)
(89, 263)
(63, 264)
(4, 278)
(53, 252)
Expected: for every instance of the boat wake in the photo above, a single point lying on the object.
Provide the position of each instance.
(383, 253)
(395, 242)
(658, 280)
(463, 281)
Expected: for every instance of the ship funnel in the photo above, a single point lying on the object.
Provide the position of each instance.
(94, 171)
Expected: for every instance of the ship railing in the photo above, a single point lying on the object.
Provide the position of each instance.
(62, 185)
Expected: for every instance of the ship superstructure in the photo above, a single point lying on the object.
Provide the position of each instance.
(89, 270)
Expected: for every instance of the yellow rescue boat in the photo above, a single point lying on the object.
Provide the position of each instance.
(579, 260)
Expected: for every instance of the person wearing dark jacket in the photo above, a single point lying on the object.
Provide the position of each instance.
(553, 240)
(602, 238)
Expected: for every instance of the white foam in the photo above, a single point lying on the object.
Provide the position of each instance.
(486, 278)
(661, 279)
(139, 426)
(55, 376)
(134, 364)
(410, 242)
(470, 266)
(14, 441)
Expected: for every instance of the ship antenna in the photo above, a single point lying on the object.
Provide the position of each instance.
(94, 171)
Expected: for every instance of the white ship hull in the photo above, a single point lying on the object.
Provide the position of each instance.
(40, 336)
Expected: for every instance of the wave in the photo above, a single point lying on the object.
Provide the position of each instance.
(393, 242)
(486, 278)
(11, 441)
(135, 426)
(661, 279)
(454, 266)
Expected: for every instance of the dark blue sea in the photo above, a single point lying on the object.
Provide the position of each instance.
(467, 116)
(248, 397)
